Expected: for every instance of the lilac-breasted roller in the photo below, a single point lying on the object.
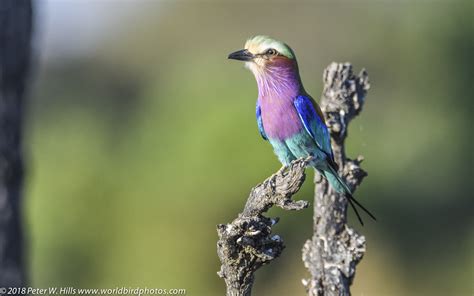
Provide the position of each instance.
(287, 116)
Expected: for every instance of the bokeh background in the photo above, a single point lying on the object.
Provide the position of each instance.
(141, 137)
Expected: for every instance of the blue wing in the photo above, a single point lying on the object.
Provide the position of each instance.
(260, 122)
(314, 123)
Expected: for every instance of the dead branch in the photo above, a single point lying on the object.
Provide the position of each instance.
(335, 249)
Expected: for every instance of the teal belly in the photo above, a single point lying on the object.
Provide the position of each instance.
(300, 145)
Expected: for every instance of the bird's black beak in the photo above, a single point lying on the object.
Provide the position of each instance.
(241, 55)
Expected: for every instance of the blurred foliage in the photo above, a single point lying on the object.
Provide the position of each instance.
(138, 149)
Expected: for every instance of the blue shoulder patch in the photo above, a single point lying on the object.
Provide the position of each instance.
(313, 124)
(260, 122)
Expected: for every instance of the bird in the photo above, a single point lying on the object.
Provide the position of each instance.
(287, 116)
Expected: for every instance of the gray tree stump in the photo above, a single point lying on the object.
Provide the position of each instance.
(335, 249)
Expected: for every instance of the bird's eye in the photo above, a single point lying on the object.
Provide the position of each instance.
(271, 51)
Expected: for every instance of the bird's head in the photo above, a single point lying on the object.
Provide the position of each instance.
(262, 53)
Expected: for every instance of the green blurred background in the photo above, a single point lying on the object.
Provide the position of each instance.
(141, 137)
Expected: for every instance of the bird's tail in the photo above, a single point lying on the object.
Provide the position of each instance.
(340, 186)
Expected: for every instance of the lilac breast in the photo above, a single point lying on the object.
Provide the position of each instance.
(279, 116)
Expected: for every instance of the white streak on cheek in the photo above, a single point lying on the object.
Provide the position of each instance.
(260, 61)
(252, 66)
(256, 66)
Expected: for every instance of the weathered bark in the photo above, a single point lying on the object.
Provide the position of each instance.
(15, 41)
(335, 249)
(247, 242)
